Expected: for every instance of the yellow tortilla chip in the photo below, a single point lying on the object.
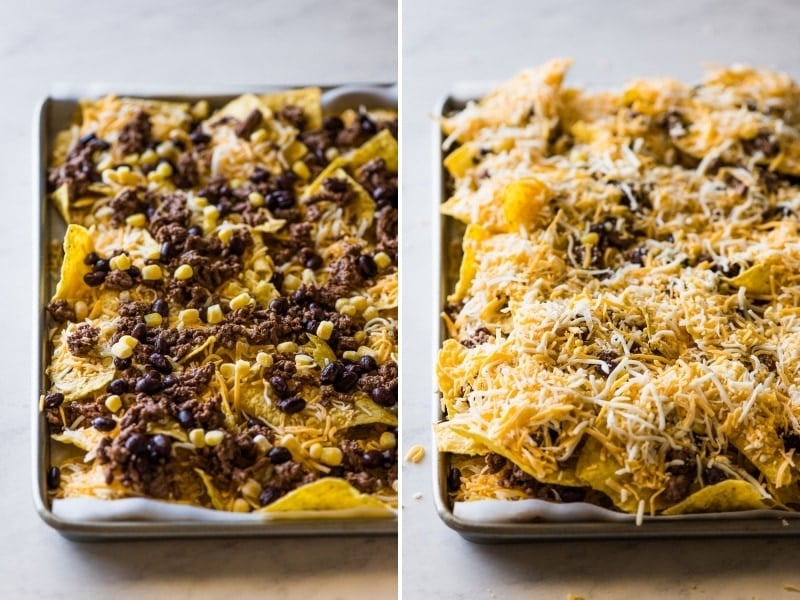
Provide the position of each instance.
(77, 244)
(448, 440)
(61, 199)
(725, 496)
(524, 202)
(460, 160)
(382, 145)
(597, 469)
(306, 98)
(242, 106)
(328, 493)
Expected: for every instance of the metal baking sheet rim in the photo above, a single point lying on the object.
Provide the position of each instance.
(64, 98)
(781, 524)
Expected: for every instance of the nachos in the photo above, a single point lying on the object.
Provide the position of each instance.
(224, 325)
(622, 329)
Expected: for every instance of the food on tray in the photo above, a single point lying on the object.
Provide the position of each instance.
(624, 328)
(224, 328)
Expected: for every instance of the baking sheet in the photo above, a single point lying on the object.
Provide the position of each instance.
(499, 520)
(86, 518)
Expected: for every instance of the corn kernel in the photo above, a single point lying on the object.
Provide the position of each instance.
(164, 170)
(153, 319)
(151, 273)
(590, 238)
(287, 347)
(359, 302)
(129, 341)
(349, 310)
(148, 157)
(315, 450)
(227, 370)
(351, 355)
(136, 220)
(360, 336)
(303, 360)
(242, 367)
(164, 148)
(264, 359)
(120, 262)
(123, 169)
(201, 202)
(214, 314)
(240, 301)
(258, 136)
(309, 277)
(113, 403)
(262, 443)
(225, 235)
(211, 212)
(325, 330)
(370, 313)
(214, 437)
(154, 254)
(291, 282)
(341, 303)
(240, 505)
(387, 440)
(184, 272)
(331, 153)
(81, 310)
(251, 488)
(256, 199)
(189, 315)
(415, 454)
(121, 351)
(367, 351)
(200, 110)
(331, 456)
(383, 260)
(301, 169)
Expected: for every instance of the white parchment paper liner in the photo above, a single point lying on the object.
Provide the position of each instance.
(143, 509)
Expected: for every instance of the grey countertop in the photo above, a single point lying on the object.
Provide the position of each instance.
(458, 40)
(186, 44)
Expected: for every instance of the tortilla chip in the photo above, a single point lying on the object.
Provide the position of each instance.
(61, 199)
(306, 98)
(448, 440)
(383, 145)
(328, 493)
(77, 244)
(242, 106)
(597, 469)
(460, 160)
(725, 496)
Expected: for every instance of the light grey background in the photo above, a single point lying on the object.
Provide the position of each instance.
(465, 40)
(180, 44)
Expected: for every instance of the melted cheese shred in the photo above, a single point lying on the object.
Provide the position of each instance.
(629, 276)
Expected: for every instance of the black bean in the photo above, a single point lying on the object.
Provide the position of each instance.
(311, 326)
(367, 364)
(366, 266)
(160, 306)
(389, 458)
(314, 262)
(291, 405)
(384, 395)
(269, 494)
(118, 386)
(331, 373)
(102, 265)
(122, 363)
(260, 175)
(53, 478)
(91, 259)
(53, 400)
(160, 363)
(159, 447)
(367, 125)
(279, 199)
(186, 418)
(104, 423)
(94, 278)
(453, 480)
(279, 386)
(347, 380)
(299, 296)
(140, 332)
(134, 271)
(199, 138)
(279, 454)
(136, 443)
(285, 181)
(194, 231)
(167, 251)
(236, 246)
(279, 305)
(169, 380)
(372, 459)
(149, 383)
(332, 124)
